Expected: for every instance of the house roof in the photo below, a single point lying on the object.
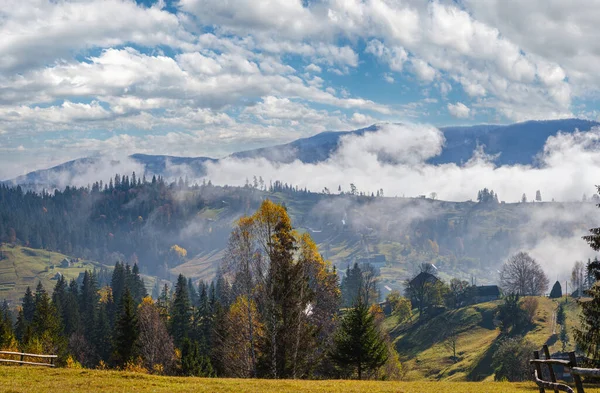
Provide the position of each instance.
(488, 290)
(422, 278)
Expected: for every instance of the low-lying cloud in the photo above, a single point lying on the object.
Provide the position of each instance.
(395, 159)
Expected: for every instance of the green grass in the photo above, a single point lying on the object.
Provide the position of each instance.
(22, 266)
(34, 380)
(424, 356)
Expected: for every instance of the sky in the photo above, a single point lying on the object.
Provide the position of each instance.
(210, 77)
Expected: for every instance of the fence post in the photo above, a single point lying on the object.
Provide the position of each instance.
(22, 356)
(550, 368)
(576, 378)
(538, 369)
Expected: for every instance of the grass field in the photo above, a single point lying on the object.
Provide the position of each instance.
(33, 380)
(424, 356)
(21, 267)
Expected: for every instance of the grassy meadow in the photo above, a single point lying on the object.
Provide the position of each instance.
(15, 379)
(21, 267)
(424, 355)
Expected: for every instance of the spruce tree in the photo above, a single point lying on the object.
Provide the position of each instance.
(117, 282)
(180, 312)
(137, 287)
(358, 344)
(193, 362)
(28, 306)
(125, 334)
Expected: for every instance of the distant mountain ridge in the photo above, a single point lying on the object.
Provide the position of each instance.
(518, 143)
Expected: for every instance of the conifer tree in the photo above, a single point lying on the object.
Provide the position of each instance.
(126, 333)
(28, 306)
(117, 282)
(358, 344)
(180, 312)
(193, 362)
(102, 338)
(46, 326)
(88, 302)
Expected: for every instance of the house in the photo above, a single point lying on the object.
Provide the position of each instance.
(57, 276)
(386, 307)
(422, 278)
(375, 260)
(65, 263)
(486, 293)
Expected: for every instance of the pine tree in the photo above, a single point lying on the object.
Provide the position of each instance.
(28, 306)
(126, 333)
(193, 362)
(358, 343)
(137, 287)
(46, 326)
(117, 282)
(180, 312)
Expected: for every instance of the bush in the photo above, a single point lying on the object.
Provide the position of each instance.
(529, 305)
(511, 360)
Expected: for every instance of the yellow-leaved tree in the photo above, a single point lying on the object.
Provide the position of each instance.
(288, 293)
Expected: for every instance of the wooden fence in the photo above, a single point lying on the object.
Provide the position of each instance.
(29, 355)
(570, 365)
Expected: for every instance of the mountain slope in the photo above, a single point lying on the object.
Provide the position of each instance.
(517, 143)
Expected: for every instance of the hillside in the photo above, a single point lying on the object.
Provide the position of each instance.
(21, 267)
(467, 240)
(424, 355)
(34, 380)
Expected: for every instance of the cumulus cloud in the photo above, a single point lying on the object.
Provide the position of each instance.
(459, 110)
(196, 70)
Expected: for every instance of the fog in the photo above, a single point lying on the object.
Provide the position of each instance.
(395, 159)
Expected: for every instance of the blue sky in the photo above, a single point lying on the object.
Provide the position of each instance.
(209, 77)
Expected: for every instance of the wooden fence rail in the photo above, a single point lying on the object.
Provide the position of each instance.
(31, 355)
(571, 365)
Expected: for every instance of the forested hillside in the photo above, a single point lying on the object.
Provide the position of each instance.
(173, 228)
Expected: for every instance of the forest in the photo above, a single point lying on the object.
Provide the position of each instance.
(162, 225)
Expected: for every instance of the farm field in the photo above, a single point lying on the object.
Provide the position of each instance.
(34, 380)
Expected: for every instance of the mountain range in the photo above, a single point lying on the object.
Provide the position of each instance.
(519, 143)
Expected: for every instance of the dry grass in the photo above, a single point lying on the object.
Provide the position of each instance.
(36, 379)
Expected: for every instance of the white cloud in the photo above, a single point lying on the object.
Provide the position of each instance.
(394, 57)
(459, 110)
(313, 68)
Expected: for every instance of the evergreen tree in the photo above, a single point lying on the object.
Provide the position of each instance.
(117, 282)
(351, 285)
(102, 338)
(193, 293)
(137, 287)
(193, 362)
(28, 306)
(358, 344)
(180, 312)
(126, 333)
(46, 326)
(88, 301)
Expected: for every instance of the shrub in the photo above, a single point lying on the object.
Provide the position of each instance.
(511, 360)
